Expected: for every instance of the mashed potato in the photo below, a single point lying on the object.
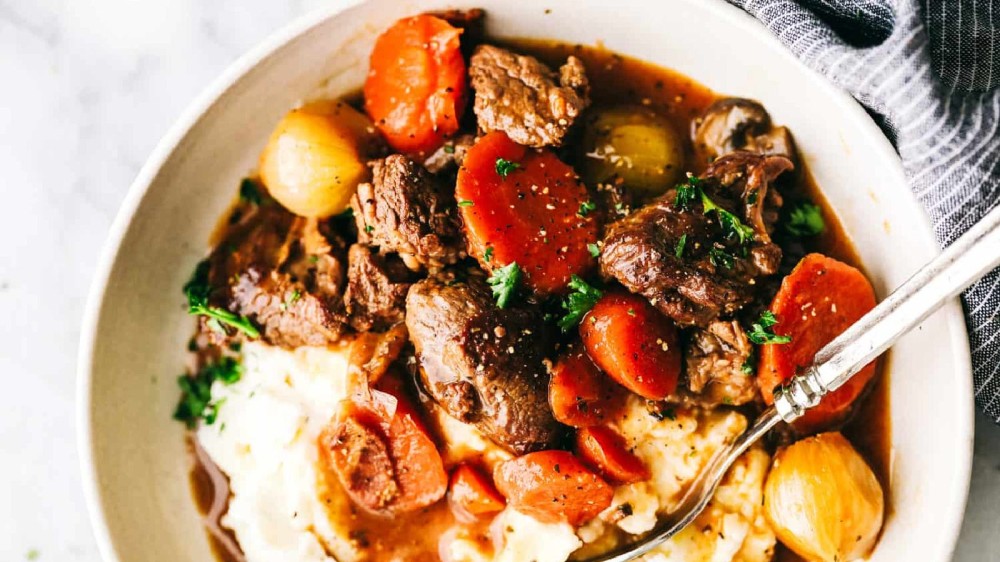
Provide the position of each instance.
(675, 447)
(265, 437)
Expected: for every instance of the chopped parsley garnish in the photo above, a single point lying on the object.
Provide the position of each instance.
(732, 227)
(688, 192)
(196, 401)
(295, 296)
(720, 258)
(465, 203)
(504, 282)
(749, 367)
(679, 247)
(197, 291)
(578, 302)
(369, 228)
(806, 220)
(488, 254)
(760, 332)
(449, 149)
(250, 191)
(594, 250)
(586, 207)
(620, 208)
(505, 167)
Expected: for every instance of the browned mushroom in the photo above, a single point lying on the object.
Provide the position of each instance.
(732, 124)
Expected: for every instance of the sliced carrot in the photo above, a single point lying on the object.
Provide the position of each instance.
(817, 301)
(416, 89)
(526, 206)
(605, 451)
(581, 395)
(382, 453)
(634, 344)
(472, 493)
(553, 486)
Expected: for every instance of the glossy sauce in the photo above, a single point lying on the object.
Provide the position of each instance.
(615, 80)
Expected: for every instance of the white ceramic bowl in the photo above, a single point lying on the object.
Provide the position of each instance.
(134, 459)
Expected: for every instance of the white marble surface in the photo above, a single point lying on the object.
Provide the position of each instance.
(86, 90)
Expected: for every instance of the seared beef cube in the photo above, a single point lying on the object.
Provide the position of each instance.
(376, 289)
(451, 154)
(482, 364)
(715, 358)
(285, 274)
(683, 259)
(732, 124)
(522, 97)
(407, 210)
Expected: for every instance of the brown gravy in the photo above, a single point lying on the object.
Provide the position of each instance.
(615, 80)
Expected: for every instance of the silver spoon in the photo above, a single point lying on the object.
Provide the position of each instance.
(970, 257)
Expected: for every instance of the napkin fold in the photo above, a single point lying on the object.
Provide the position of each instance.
(928, 73)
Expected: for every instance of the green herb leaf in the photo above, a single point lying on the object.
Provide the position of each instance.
(197, 291)
(688, 192)
(369, 228)
(732, 227)
(679, 247)
(760, 331)
(488, 254)
(505, 167)
(578, 302)
(465, 203)
(504, 282)
(250, 191)
(720, 258)
(586, 207)
(196, 402)
(806, 220)
(449, 149)
(594, 250)
(296, 295)
(749, 366)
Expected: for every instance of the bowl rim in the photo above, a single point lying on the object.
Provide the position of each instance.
(951, 312)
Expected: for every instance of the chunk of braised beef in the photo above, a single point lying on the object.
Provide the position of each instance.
(285, 274)
(683, 260)
(719, 369)
(376, 289)
(732, 124)
(451, 154)
(521, 96)
(483, 365)
(405, 209)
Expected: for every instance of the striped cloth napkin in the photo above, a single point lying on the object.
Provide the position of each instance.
(928, 73)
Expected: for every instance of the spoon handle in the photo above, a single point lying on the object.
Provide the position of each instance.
(970, 257)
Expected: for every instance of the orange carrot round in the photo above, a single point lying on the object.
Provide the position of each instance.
(634, 344)
(416, 89)
(526, 206)
(604, 450)
(471, 494)
(581, 395)
(817, 301)
(553, 486)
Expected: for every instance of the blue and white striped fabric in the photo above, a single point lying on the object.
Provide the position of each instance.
(928, 72)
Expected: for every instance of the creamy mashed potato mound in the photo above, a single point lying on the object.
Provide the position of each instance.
(264, 440)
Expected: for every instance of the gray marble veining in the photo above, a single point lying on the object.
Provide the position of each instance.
(86, 90)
